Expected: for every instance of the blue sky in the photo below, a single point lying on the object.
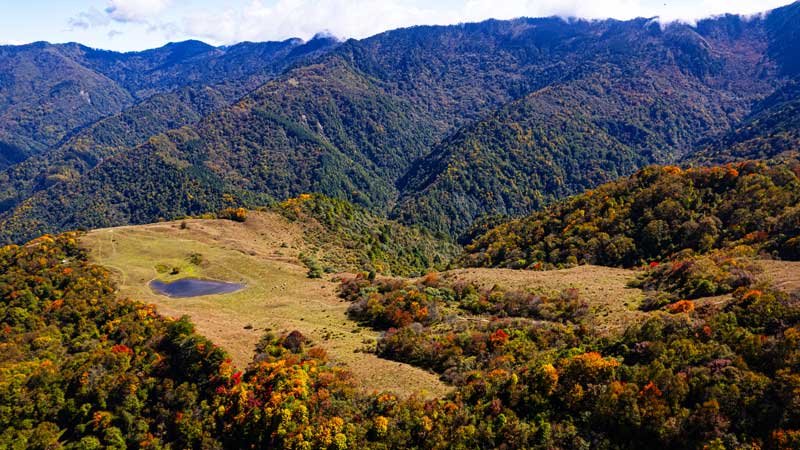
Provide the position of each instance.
(126, 25)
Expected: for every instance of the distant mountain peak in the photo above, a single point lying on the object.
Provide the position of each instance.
(325, 35)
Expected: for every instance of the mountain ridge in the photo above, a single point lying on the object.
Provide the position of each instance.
(367, 121)
(125, 79)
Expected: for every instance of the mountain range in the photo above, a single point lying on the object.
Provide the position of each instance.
(435, 126)
(539, 233)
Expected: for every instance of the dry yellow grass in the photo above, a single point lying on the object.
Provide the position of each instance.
(784, 275)
(612, 305)
(262, 253)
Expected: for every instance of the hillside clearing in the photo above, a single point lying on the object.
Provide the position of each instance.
(612, 305)
(262, 253)
(785, 275)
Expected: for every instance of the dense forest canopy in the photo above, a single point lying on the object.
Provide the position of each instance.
(654, 214)
(374, 243)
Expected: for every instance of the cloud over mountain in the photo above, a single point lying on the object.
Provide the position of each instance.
(264, 20)
(259, 20)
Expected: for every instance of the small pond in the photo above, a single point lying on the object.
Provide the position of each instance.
(194, 287)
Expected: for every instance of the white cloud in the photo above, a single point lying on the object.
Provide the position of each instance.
(304, 18)
(135, 10)
(88, 19)
(121, 11)
(263, 20)
(281, 19)
(666, 10)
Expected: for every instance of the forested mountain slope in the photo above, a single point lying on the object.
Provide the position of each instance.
(44, 95)
(652, 101)
(104, 139)
(652, 215)
(770, 131)
(249, 151)
(49, 91)
(244, 67)
(441, 125)
(84, 369)
(436, 126)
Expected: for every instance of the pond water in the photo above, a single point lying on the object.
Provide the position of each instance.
(194, 287)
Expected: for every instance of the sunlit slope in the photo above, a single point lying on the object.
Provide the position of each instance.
(262, 253)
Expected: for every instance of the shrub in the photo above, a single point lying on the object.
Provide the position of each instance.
(681, 306)
(314, 268)
(235, 214)
(694, 276)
